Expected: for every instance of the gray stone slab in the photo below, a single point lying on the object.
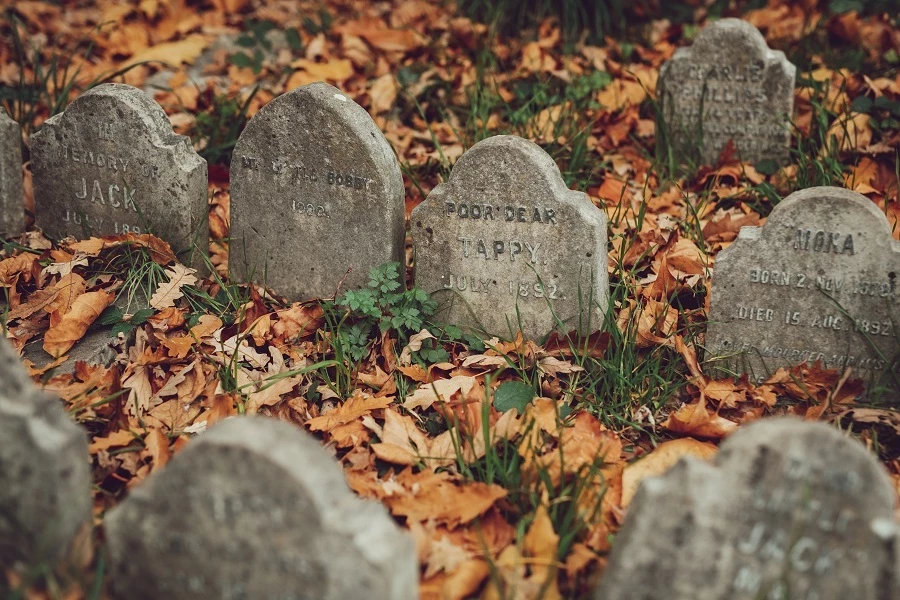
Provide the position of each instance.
(111, 164)
(45, 475)
(789, 510)
(818, 282)
(743, 90)
(255, 508)
(316, 196)
(505, 242)
(12, 196)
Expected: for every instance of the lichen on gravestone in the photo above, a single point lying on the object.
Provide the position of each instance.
(111, 165)
(45, 477)
(790, 509)
(255, 508)
(12, 196)
(504, 243)
(819, 282)
(727, 86)
(317, 197)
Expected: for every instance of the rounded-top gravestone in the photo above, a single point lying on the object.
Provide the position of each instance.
(111, 165)
(790, 510)
(316, 196)
(819, 282)
(255, 508)
(505, 244)
(728, 86)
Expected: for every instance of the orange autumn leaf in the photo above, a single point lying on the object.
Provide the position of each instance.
(353, 408)
(695, 419)
(73, 325)
(402, 443)
(400, 40)
(541, 544)
(659, 461)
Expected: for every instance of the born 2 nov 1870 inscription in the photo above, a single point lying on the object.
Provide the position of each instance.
(820, 281)
(505, 241)
(729, 86)
(111, 164)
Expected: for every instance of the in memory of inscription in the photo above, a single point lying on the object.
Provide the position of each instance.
(316, 196)
(12, 209)
(505, 244)
(819, 282)
(728, 86)
(255, 508)
(790, 510)
(111, 165)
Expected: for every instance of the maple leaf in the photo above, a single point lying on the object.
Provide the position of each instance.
(167, 293)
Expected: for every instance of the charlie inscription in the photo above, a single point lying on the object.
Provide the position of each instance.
(110, 164)
(818, 282)
(790, 510)
(729, 86)
(312, 170)
(505, 241)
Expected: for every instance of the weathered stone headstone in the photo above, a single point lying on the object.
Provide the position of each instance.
(506, 242)
(728, 86)
(790, 510)
(111, 164)
(820, 281)
(316, 196)
(255, 508)
(45, 476)
(12, 197)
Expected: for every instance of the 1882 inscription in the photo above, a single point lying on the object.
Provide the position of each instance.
(729, 86)
(817, 283)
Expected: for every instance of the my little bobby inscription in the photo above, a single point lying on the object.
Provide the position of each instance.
(505, 241)
(729, 86)
(313, 173)
(791, 510)
(110, 164)
(820, 281)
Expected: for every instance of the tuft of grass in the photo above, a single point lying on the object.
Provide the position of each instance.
(216, 130)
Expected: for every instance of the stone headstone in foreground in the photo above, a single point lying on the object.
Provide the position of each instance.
(45, 476)
(255, 508)
(316, 196)
(506, 236)
(110, 164)
(820, 281)
(12, 197)
(790, 510)
(728, 86)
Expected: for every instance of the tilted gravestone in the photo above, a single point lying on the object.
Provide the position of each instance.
(110, 165)
(255, 508)
(505, 242)
(316, 196)
(820, 281)
(790, 510)
(12, 196)
(728, 86)
(45, 475)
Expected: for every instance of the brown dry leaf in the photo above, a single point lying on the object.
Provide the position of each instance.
(70, 287)
(140, 392)
(695, 419)
(173, 53)
(116, 439)
(73, 325)
(383, 93)
(400, 40)
(541, 544)
(441, 498)
(621, 93)
(402, 443)
(355, 407)
(167, 293)
(441, 390)
(659, 461)
(308, 71)
(852, 131)
(157, 448)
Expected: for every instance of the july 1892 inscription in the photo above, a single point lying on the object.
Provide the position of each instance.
(791, 510)
(820, 281)
(111, 164)
(506, 242)
(316, 196)
(729, 86)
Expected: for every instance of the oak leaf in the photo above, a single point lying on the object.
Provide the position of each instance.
(167, 293)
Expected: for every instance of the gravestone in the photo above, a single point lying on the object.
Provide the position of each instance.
(110, 165)
(316, 196)
(45, 476)
(504, 242)
(819, 281)
(728, 86)
(255, 508)
(12, 196)
(790, 510)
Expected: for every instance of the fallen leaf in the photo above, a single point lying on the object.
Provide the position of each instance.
(60, 338)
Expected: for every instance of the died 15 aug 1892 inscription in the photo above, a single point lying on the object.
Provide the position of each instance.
(820, 281)
(505, 241)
